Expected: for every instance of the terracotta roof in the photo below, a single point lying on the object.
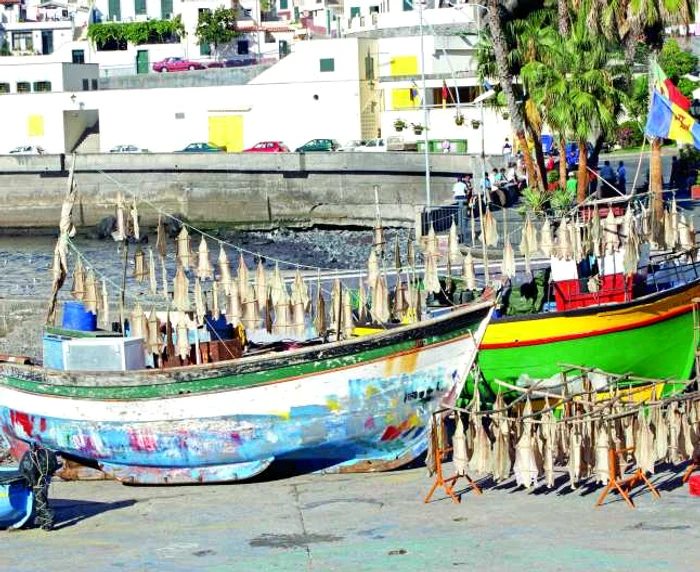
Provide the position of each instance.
(9, 2)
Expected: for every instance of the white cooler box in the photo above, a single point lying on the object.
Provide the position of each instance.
(103, 354)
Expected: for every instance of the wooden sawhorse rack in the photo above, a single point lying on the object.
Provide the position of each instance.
(624, 485)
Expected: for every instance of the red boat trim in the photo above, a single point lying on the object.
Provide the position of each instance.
(641, 324)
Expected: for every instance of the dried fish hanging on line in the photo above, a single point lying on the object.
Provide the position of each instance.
(525, 465)
(674, 224)
(431, 241)
(453, 253)
(199, 306)
(140, 269)
(283, 320)
(154, 343)
(135, 229)
(104, 317)
(400, 305)
(611, 238)
(277, 285)
(574, 464)
(78, 287)
(431, 282)
(300, 291)
(459, 447)
(91, 298)
(204, 267)
(261, 287)
(184, 250)
(490, 229)
(361, 302)
(152, 280)
(468, 273)
(336, 304)
(233, 307)
(685, 239)
(575, 241)
(410, 252)
(243, 279)
(500, 456)
(596, 232)
(347, 322)
(601, 471)
(298, 311)
(119, 235)
(380, 301)
(630, 260)
(251, 314)
(161, 237)
(528, 242)
(397, 254)
(563, 245)
(480, 461)
(164, 277)
(546, 242)
(181, 287)
(320, 323)
(548, 435)
(215, 308)
(139, 323)
(372, 269)
(224, 270)
(183, 343)
(669, 234)
(644, 444)
(508, 268)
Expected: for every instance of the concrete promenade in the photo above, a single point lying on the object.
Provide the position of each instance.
(359, 523)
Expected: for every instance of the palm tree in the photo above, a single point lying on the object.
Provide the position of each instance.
(573, 84)
(500, 49)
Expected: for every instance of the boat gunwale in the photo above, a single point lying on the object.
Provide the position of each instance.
(248, 364)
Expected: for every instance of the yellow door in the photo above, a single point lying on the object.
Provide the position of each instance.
(226, 131)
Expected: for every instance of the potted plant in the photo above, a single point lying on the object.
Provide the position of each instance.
(476, 123)
(417, 128)
(399, 125)
(459, 119)
(695, 189)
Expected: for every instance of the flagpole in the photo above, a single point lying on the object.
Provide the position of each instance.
(425, 108)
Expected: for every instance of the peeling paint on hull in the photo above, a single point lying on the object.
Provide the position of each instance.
(367, 416)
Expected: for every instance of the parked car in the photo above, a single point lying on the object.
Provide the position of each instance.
(233, 62)
(318, 145)
(373, 145)
(353, 145)
(397, 143)
(127, 149)
(176, 64)
(268, 147)
(27, 150)
(202, 148)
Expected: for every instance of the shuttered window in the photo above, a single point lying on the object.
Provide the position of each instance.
(140, 7)
(327, 64)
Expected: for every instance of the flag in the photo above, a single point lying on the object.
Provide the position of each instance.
(414, 91)
(445, 93)
(667, 89)
(668, 120)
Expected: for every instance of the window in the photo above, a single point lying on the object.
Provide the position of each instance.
(407, 5)
(327, 64)
(115, 10)
(4, 88)
(284, 4)
(139, 7)
(166, 9)
(243, 47)
(78, 56)
(204, 49)
(42, 86)
(23, 87)
(179, 115)
(86, 85)
(369, 67)
(354, 12)
(94, 84)
(269, 38)
(22, 42)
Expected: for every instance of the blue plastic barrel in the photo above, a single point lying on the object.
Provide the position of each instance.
(76, 317)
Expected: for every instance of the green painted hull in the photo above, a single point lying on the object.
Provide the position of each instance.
(663, 350)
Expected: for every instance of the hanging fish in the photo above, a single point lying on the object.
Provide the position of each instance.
(298, 315)
(184, 253)
(378, 237)
(224, 270)
(596, 231)
(348, 322)
(361, 302)
(136, 230)
(372, 269)
(152, 280)
(546, 243)
(283, 317)
(277, 286)
(548, 434)
(574, 464)
(453, 253)
(563, 247)
(215, 309)
(528, 242)
(243, 278)
(169, 336)
(380, 301)
(468, 274)
(336, 304)
(508, 263)
(525, 465)
(320, 316)
(684, 238)
(183, 343)
(300, 291)
(154, 343)
(673, 418)
(611, 238)
(431, 282)
(674, 224)
(119, 235)
(397, 254)
(500, 458)
(200, 309)
(164, 277)
(644, 444)
(431, 242)
(630, 259)
(399, 300)
(204, 267)
(480, 461)
(139, 323)
(490, 229)
(686, 441)
(140, 269)
(669, 234)
(91, 298)
(261, 288)
(181, 286)
(411, 252)
(233, 308)
(251, 313)
(161, 237)
(660, 434)
(104, 308)
(459, 447)
(601, 470)
(78, 288)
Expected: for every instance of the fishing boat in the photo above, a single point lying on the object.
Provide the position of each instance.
(632, 317)
(357, 405)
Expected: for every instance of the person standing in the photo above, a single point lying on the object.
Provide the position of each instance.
(507, 149)
(459, 191)
(622, 178)
(571, 184)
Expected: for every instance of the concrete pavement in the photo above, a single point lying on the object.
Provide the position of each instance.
(356, 522)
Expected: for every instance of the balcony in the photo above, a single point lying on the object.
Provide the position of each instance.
(464, 15)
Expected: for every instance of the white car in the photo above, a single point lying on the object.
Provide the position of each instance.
(127, 149)
(27, 150)
(353, 145)
(373, 145)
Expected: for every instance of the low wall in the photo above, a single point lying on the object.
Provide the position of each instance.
(247, 190)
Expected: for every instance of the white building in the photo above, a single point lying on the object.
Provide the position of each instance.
(32, 75)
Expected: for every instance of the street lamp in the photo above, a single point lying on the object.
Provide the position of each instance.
(425, 107)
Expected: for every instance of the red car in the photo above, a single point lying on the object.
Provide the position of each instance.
(268, 147)
(176, 64)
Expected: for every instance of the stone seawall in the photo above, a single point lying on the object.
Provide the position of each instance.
(245, 190)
